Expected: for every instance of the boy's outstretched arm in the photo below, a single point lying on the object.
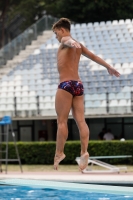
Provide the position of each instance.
(100, 61)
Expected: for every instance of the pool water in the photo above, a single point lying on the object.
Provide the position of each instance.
(27, 193)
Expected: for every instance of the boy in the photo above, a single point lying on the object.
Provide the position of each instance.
(70, 90)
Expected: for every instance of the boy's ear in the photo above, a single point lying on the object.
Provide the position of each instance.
(63, 30)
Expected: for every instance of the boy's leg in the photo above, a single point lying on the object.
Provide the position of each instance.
(63, 103)
(78, 114)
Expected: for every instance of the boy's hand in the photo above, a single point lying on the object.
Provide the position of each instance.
(112, 71)
(68, 41)
(75, 44)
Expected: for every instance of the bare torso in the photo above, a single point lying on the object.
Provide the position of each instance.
(68, 61)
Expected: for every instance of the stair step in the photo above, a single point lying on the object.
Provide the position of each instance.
(41, 39)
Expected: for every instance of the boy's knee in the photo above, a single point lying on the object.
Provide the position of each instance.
(62, 124)
(81, 123)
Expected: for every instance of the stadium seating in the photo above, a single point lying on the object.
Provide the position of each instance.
(34, 82)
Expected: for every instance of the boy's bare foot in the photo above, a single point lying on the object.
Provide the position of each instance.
(58, 159)
(83, 161)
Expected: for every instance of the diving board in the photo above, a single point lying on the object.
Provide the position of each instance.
(96, 160)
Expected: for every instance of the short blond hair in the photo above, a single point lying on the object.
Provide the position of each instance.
(62, 23)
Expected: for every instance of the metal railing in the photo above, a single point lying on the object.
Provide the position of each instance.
(20, 42)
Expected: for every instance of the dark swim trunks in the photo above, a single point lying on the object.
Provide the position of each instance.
(73, 87)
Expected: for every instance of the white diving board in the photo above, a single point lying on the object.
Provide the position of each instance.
(96, 160)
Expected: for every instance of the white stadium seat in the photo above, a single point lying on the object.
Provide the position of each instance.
(36, 79)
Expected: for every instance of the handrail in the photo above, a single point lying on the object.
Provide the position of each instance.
(21, 41)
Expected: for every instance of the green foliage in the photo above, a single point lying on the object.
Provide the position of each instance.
(90, 11)
(79, 12)
(112, 148)
(43, 152)
(28, 9)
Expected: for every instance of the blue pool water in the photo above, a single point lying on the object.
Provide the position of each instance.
(12, 192)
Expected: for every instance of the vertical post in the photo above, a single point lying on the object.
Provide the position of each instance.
(0, 152)
(132, 101)
(35, 32)
(123, 134)
(46, 23)
(7, 132)
(70, 135)
(49, 129)
(38, 111)
(107, 102)
(15, 106)
(13, 135)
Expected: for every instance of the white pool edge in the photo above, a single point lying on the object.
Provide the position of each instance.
(69, 186)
